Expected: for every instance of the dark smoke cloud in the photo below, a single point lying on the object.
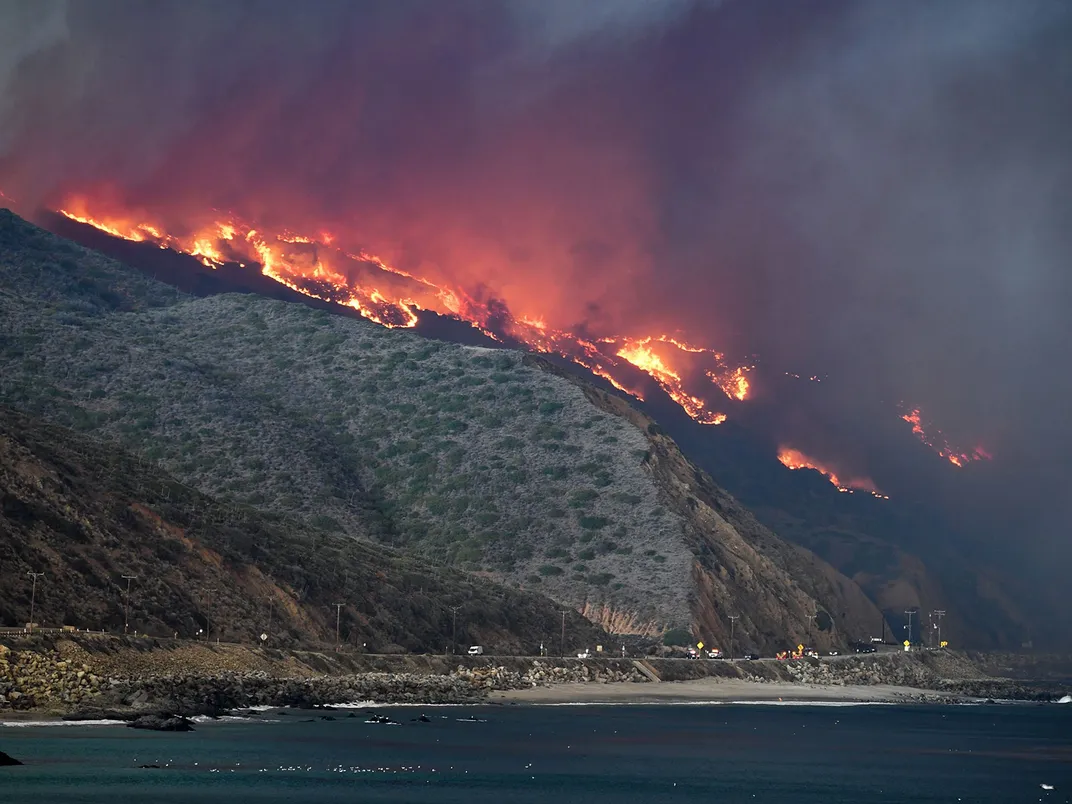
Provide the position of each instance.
(880, 191)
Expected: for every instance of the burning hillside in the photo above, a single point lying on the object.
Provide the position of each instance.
(319, 264)
(937, 442)
(699, 379)
(795, 459)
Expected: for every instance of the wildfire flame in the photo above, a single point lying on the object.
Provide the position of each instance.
(795, 459)
(936, 441)
(392, 297)
(734, 384)
(316, 266)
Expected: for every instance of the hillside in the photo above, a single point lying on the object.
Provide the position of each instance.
(86, 514)
(905, 554)
(471, 456)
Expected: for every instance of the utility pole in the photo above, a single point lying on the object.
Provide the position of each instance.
(733, 621)
(126, 609)
(562, 643)
(208, 615)
(453, 629)
(271, 611)
(338, 619)
(33, 594)
(910, 613)
(938, 614)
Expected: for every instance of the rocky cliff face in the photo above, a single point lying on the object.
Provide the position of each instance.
(781, 593)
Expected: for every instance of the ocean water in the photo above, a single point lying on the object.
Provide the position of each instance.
(563, 754)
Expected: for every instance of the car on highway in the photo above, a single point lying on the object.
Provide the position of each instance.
(584, 654)
(476, 650)
(751, 656)
(863, 647)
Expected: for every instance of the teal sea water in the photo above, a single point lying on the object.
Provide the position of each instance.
(561, 754)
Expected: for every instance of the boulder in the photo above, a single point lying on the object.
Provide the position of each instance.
(161, 723)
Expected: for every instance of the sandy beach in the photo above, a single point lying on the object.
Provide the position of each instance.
(711, 689)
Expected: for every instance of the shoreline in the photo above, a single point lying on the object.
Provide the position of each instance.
(726, 691)
(76, 681)
(697, 692)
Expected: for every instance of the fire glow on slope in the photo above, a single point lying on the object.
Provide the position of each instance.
(936, 441)
(316, 266)
(795, 459)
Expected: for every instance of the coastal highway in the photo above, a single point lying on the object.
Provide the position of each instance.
(351, 650)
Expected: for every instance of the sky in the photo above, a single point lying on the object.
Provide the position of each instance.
(880, 192)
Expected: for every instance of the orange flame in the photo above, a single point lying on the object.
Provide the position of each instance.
(121, 230)
(795, 459)
(937, 442)
(640, 354)
(734, 384)
(387, 295)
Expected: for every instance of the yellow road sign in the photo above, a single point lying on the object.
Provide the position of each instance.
(699, 645)
(907, 643)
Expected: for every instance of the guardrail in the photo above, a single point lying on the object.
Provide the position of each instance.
(42, 630)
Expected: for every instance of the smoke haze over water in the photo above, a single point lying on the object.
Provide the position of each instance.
(877, 191)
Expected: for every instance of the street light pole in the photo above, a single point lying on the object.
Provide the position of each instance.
(33, 594)
(910, 613)
(126, 608)
(562, 643)
(733, 621)
(271, 611)
(939, 614)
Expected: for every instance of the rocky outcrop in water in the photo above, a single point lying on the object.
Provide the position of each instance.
(7, 761)
(161, 723)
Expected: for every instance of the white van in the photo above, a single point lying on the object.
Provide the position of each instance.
(476, 650)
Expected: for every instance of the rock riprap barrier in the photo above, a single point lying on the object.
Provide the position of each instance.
(541, 673)
(29, 680)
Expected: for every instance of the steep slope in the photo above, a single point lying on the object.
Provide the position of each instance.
(86, 514)
(734, 556)
(467, 455)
